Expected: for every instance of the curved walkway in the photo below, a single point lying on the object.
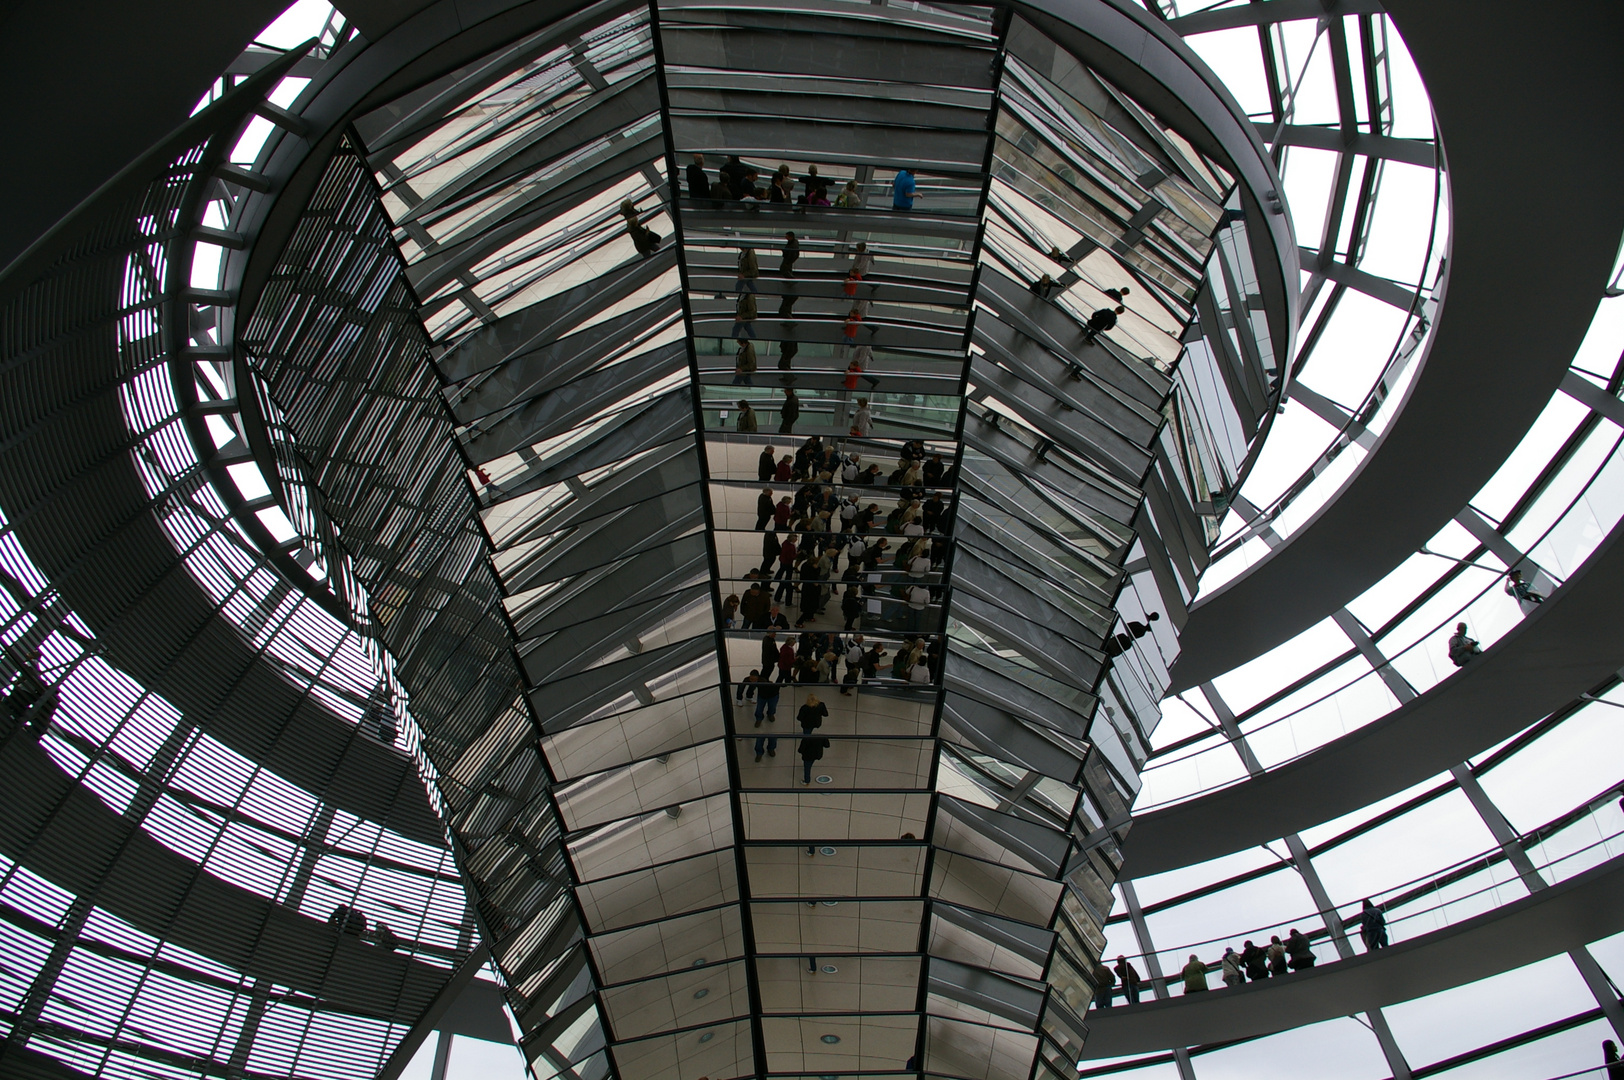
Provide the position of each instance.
(1487, 374)
(1572, 642)
(1554, 920)
(80, 511)
(65, 834)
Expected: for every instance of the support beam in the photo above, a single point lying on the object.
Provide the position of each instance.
(413, 1040)
(1423, 152)
(1273, 11)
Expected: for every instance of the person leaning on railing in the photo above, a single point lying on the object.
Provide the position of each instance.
(1518, 588)
(1461, 647)
(1195, 975)
(1129, 978)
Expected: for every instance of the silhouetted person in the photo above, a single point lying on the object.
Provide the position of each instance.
(1609, 1058)
(1102, 320)
(644, 239)
(29, 697)
(349, 920)
(1042, 288)
(1276, 953)
(698, 182)
(1121, 643)
(792, 251)
(1372, 927)
(1129, 978)
(767, 464)
(733, 174)
(1107, 986)
(1301, 956)
(1517, 587)
(1461, 647)
(1255, 961)
(1195, 975)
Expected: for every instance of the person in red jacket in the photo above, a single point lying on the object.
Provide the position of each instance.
(786, 568)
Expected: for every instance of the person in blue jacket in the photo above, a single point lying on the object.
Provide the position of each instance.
(903, 191)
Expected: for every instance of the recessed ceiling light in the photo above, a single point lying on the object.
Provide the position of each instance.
(707, 1037)
(831, 903)
(700, 962)
(829, 969)
(701, 993)
(826, 851)
(826, 779)
(830, 1039)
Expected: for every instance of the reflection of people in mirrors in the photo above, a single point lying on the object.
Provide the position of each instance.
(1118, 644)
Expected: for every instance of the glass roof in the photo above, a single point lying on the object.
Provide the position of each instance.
(588, 387)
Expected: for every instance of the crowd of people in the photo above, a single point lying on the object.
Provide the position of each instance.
(855, 358)
(1252, 963)
(830, 659)
(352, 921)
(737, 182)
(805, 536)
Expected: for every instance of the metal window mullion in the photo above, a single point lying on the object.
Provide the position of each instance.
(1153, 968)
(1499, 827)
(39, 991)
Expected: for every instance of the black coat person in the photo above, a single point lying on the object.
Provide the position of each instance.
(733, 175)
(1129, 978)
(1121, 643)
(1256, 962)
(1297, 949)
(1098, 323)
(1107, 986)
(1372, 927)
(698, 182)
(812, 749)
